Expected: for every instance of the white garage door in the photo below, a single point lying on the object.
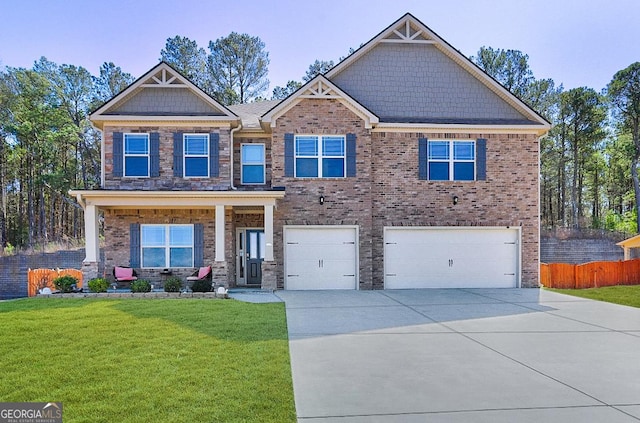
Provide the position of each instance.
(466, 257)
(320, 257)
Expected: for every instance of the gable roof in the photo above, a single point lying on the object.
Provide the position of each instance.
(498, 107)
(319, 88)
(161, 94)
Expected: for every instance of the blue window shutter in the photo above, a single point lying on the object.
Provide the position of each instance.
(178, 147)
(288, 155)
(351, 155)
(118, 158)
(214, 155)
(481, 159)
(422, 159)
(154, 153)
(134, 245)
(198, 245)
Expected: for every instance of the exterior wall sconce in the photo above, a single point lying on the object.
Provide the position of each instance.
(321, 199)
(455, 200)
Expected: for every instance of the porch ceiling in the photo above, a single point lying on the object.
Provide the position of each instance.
(106, 199)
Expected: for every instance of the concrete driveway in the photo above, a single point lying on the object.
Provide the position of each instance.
(462, 355)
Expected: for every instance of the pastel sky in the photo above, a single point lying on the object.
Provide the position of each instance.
(575, 42)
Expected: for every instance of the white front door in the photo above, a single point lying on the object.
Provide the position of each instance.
(321, 257)
(451, 257)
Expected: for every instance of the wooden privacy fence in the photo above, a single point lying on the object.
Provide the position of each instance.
(41, 278)
(590, 275)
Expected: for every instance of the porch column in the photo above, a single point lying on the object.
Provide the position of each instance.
(92, 242)
(268, 232)
(220, 233)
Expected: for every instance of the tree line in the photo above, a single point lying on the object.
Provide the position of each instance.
(589, 160)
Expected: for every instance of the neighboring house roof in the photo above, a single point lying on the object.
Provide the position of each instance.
(250, 113)
(633, 242)
(408, 75)
(319, 88)
(161, 94)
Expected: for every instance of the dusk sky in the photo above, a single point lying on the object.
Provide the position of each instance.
(577, 43)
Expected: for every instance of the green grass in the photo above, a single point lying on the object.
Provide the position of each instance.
(148, 360)
(621, 294)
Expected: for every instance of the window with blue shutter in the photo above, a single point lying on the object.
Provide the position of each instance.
(321, 156)
(214, 155)
(481, 159)
(451, 160)
(154, 154)
(117, 154)
(351, 155)
(164, 246)
(288, 155)
(134, 245)
(196, 149)
(136, 155)
(177, 155)
(198, 245)
(422, 158)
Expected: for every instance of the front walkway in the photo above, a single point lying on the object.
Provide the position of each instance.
(462, 355)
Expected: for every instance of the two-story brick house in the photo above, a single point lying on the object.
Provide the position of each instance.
(403, 166)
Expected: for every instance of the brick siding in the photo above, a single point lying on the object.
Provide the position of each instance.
(166, 180)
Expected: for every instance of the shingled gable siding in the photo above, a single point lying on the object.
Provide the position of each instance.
(508, 196)
(167, 179)
(396, 80)
(347, 200)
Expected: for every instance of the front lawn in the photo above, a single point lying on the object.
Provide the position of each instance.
(161, 360)
(621, 294)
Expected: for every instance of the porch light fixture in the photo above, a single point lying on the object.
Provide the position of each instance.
(455, 200)
(321, 199)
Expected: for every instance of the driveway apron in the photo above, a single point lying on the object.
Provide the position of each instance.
(461, 355)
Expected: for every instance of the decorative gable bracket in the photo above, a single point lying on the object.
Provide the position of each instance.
(320, 90)
(408, 33)
(166, 80)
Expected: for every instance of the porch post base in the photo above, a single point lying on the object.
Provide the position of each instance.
(219, 273)
(269, 275)
(89, 271)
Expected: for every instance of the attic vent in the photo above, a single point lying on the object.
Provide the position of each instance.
(408, 33)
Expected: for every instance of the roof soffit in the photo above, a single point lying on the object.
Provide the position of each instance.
(410, 30)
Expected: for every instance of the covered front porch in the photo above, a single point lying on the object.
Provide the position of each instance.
(211, 213)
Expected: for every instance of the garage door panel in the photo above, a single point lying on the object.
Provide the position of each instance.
(451, 257)
(321, 258)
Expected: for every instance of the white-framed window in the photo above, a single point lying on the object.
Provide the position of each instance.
(165, 246)
(451, 160)
(196, 155)
(252, 164)
(136, 155)
(320, 156)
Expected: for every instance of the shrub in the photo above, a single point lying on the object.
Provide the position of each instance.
(65, 283)
(140, 285)
(173, 284)
(98, 285)
(201, 285)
